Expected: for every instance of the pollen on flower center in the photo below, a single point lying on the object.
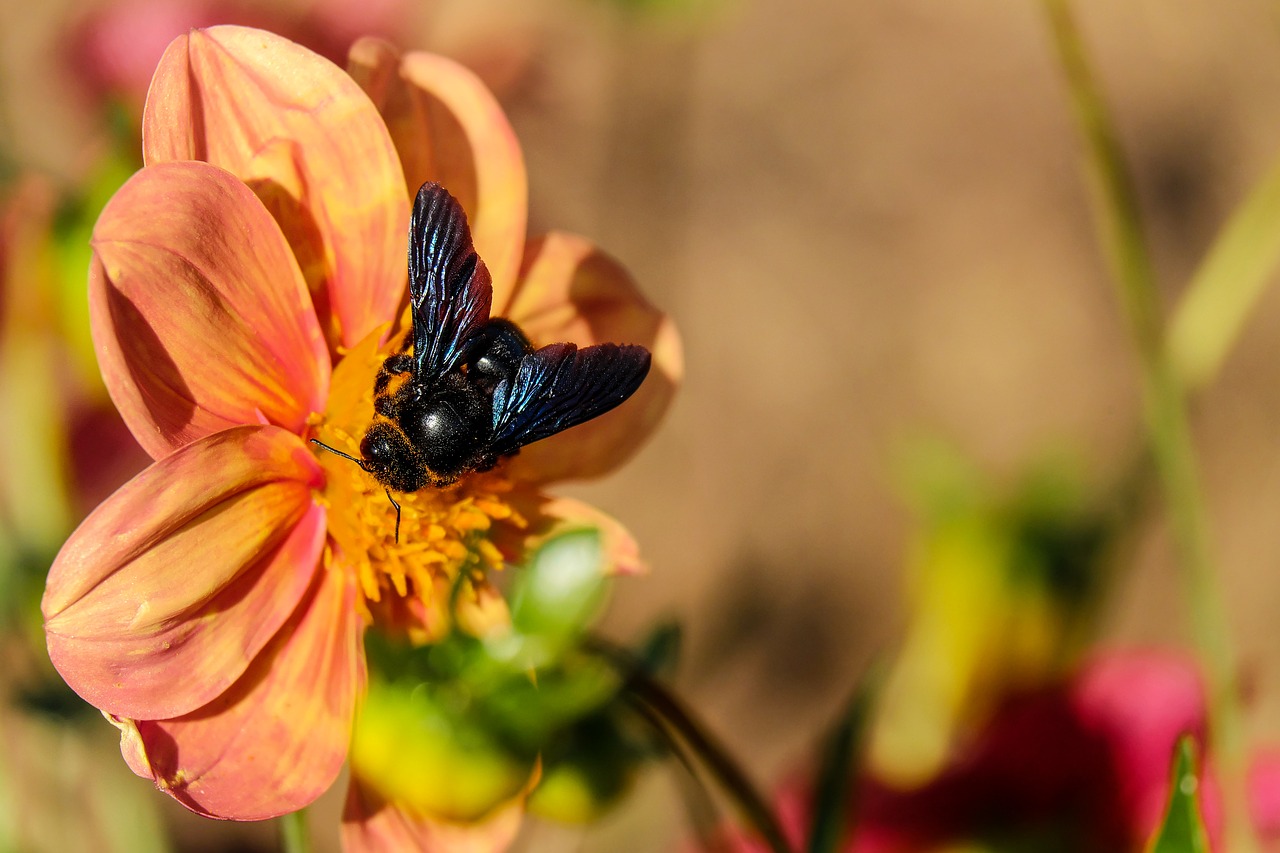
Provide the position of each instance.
(443, 531)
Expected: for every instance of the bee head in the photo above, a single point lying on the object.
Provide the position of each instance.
(391, 458)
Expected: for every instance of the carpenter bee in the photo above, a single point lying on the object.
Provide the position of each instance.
(476, 390)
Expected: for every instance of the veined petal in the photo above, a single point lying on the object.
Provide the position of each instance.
(306, 138)
(277, 738)
(371, 825)
(163, 596)
(449, 128)
(570, 291)
(199, 314)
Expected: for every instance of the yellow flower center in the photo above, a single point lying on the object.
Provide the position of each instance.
(445, 547)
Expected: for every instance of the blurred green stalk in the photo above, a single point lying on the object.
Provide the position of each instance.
(676, 721)
(1227, 285)
(295, 835)
(1165, 411)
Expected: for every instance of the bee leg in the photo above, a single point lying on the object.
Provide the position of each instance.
(397, 506)
(401, 363)
(394, 366)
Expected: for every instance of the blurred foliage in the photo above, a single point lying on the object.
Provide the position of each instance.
(456, 728)
(66, 447)
(658, 654)
(45, 764)
(55, 749)
(1001, 593)
(71, 233)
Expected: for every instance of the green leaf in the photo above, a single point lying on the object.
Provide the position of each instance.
(659, 652)
(529, 714)
(840, 753)
(561, 588)
(1227, 285)
(1182, 830)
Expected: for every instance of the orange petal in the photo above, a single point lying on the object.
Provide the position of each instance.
(370, 825)
(570, 291)
(199, 314)
(299, 131)
(549, 514)
(449, 128)
(277, 739)
(166, 592)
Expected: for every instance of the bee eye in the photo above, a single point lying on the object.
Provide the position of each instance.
(373, 448)
(380, 445)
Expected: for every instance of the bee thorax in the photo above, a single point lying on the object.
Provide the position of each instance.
(497, 352)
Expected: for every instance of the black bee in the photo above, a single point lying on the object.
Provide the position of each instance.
(477, 390)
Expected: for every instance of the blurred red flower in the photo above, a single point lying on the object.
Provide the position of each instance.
(1084, 765)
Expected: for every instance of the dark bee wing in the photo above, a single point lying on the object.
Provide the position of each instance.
(561, 386)
(449, 287)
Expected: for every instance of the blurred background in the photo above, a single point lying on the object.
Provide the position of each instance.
(871, 224)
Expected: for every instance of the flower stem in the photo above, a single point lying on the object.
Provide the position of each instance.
(295, 835)
(663, 705)
(1166, 417)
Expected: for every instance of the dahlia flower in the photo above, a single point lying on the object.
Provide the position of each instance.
(246, 286)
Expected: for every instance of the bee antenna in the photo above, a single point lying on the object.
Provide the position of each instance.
(364, 466)
(397, 506)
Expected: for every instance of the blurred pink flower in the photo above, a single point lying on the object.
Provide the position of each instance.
(244, 291)
(111, 50)
(114, 48)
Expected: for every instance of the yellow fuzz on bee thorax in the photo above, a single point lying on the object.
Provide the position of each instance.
(444, 532)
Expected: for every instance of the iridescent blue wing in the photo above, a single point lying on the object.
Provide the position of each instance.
(560, 386)
(449, 287)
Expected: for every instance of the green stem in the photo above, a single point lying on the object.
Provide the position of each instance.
(700, 807)
(667, 708)
(1166, 417)
(295, 835)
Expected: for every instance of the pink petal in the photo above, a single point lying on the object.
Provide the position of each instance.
(299, 131)
(277, 739)
(449, 128)
(1141, 702)
(199, 314)
(370, 825)
(162, 597)
(570, 291)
